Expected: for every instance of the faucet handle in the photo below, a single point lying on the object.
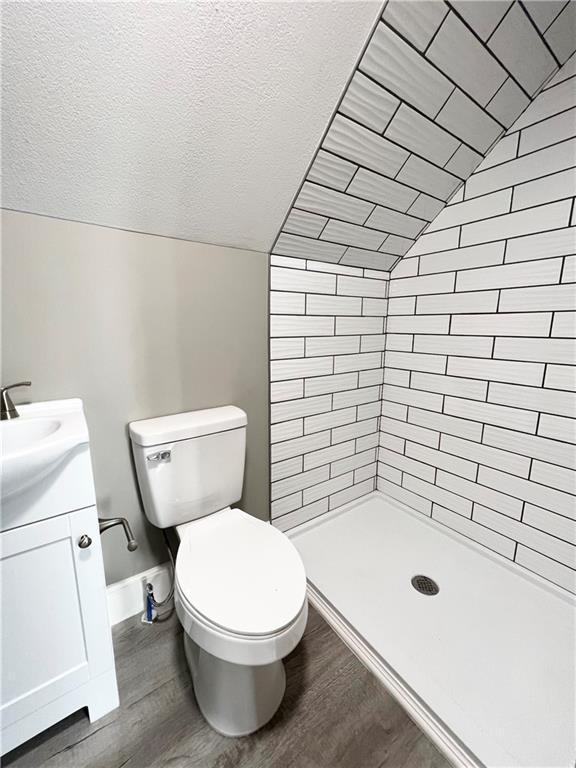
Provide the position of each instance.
(19, 384)
(7, 407)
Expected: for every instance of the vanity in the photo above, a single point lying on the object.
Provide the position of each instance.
(56, 654)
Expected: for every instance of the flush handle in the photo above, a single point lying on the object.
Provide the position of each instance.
(161, 457)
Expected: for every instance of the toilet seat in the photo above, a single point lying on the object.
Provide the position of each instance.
(240, 588)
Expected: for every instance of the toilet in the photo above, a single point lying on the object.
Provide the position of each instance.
(240, 585)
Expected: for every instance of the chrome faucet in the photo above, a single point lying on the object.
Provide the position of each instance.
(7, 407)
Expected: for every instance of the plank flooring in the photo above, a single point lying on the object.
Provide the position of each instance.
(334, 715)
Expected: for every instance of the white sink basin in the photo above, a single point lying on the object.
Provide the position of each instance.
(37, 442)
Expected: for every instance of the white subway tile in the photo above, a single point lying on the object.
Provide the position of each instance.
(286, 390)
(373, 343)
(557, 427)
(416, 361)
(369, 378)
(282, 279)
(417, 286)
(282, 469)
(481, 494)
(285, 303)
(327, 488)
(332, 305)
(299, 446)
(301, 515)
(298, 482)
(564, 325)
(356, 397)
(560, 377)
(326, 384)
(405, 496)
(282, 348)
(307, 248)
(328, 455)
(353, 462)
(290, 325)
(547, 568)
(518, 324)
(452, 303)
(525, 168)
(443, 423)
(304, 223)
(361, 145)
(474, 531)
(410, 432)
(534, 398)
(286, 261)
(286, 504)
(510, 275)
(417, 23)
(499, 415)
(541, 495)
(438, 495)
(550, 131)
(403, 306)
(349, 494)
(330, 203)
(334, 269)
(478, 346)
(544, 245)
(434, 324)
(484, 255)
(444, 240)
(368, 411)
(360, 286)
(334, 418)
(413, 397)
(485, 207)
(405, 464)
(547, 297)
(559, 186)
(394, 410)
(486, 455)
(556, 525)
(442, 460)
(358, 325)
(286, 430)
(300, 368)
(352, 431)
(497, 370)
(558, 477)
(389, 473)
(392, 442)
(538, 350)
(407, 267)
(296, 408)
(450, 385)
(399, 342)
(331, 170)
(376, 307)
(365, 361)
(529, 445)
(397, 377)
(367, 103)
(551, 216)
(332, 345)
(526, 535)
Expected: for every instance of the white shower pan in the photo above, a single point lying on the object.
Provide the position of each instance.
(486, 667)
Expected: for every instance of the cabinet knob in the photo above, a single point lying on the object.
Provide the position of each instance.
(84, 541)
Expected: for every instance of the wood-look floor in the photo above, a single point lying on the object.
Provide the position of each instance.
(334, 715)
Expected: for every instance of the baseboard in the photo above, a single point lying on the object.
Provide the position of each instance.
(424, 718)
(127, 597)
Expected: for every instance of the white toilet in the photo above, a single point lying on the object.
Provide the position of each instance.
(240, 585)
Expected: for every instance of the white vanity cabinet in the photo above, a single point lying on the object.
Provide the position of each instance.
(56, 649)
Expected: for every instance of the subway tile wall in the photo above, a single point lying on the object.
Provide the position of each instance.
(436, 86)
(479, 404)
(327, 325)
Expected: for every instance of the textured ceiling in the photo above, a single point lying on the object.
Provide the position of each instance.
(436, 87)
(191, 119)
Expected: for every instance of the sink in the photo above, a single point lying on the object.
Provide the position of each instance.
(34, 445)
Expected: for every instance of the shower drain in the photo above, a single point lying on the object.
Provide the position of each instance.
(425, 585)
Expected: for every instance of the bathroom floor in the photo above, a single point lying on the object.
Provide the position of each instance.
(334, 714)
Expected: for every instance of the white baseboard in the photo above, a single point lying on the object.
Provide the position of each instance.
(127, 597)
(424, 718)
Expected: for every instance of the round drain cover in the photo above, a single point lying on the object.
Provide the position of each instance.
(425, 585)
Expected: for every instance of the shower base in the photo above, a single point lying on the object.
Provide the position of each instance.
(484, 664)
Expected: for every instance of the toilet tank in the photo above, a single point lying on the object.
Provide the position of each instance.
(189, 464)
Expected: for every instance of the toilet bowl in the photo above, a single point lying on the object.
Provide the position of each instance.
(239, 583)
(240, 593)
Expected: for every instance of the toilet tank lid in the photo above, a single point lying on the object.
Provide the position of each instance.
(181, 426)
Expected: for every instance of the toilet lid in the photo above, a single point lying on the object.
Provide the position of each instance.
(240, 573)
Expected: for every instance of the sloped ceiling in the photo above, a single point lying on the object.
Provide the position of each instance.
(192, 119)
(436, 87)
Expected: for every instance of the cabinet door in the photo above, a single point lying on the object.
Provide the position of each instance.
(50, 635)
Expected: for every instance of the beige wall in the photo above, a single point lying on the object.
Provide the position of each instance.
(137, 326)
